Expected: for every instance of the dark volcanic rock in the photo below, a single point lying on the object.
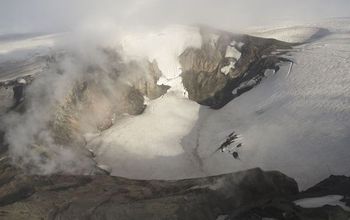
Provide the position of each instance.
(334, 185)
(285, 209)
(203, 75)
(106, 197)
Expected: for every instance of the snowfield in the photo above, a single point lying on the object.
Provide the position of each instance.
(297, 123)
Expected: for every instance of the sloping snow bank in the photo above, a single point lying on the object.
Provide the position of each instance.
(318, 202)
(297, 34)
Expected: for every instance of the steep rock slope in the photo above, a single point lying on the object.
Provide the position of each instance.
(224, 62)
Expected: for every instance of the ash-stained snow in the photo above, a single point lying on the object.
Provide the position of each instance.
(247, 84)
(226, 69)
(269, 72)
(232, 52)
(318, 202)
(297, 123)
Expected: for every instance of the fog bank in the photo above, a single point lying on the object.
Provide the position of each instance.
(42, 15)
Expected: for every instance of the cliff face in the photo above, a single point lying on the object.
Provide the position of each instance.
(225, 62)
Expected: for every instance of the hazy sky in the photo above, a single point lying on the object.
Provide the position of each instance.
(41, 15)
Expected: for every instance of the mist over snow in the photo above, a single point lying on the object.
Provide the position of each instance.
(80, 50)
(26, 131)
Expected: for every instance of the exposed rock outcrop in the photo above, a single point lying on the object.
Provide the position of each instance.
(224, 62)
(286, 209)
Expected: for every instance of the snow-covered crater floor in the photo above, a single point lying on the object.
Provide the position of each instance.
(297, 123)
